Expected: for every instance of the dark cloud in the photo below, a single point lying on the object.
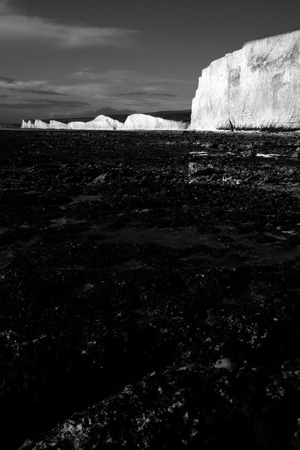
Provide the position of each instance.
(109, 110)
(18, 27)
(42, 91)
(4, 96)
(28, 87)
(148, 94)
(8, 80)
(42, 103)
(57, 102)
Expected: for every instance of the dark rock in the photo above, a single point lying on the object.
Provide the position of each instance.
(296, 153)
(157, 309)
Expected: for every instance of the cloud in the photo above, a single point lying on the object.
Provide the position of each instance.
(43, 103)
(3, 5)
(147, 94)
(8, 80)
(85, 73)
(30, 87)
(127, 84)
(17, 27)
(120, 76)
(126, 89)
(107, 110)
(110, 76)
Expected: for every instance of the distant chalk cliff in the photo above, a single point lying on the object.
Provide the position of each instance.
(99, 123)
(133, 122)
(257, 87)
(147, 122)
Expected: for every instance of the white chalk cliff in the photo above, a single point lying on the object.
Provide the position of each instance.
(257, 87)
(57, 125)
(37, 124)
(40, 124)
(146, 122)
(99, 123)
(28, 124)
(133, 122)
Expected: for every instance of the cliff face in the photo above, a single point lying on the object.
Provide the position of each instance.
(57, 125)
(28, 124)
(133, 122)
(99, 123)
(145, 122)
(104, 123)
(253, 88)
(40, 124)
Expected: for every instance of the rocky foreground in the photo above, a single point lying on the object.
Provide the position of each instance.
(150, 290)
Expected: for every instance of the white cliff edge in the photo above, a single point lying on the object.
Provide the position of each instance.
(39, 124)
(57, 125)
(99, 123)
(133, 122)
(257, 87)
(146, 122)
(28, 124)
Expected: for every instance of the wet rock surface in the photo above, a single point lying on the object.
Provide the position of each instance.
(150, 290)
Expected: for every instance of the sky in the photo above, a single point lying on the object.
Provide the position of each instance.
(76, 58)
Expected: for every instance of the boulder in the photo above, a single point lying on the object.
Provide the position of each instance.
(256, 87)
(146, 122)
